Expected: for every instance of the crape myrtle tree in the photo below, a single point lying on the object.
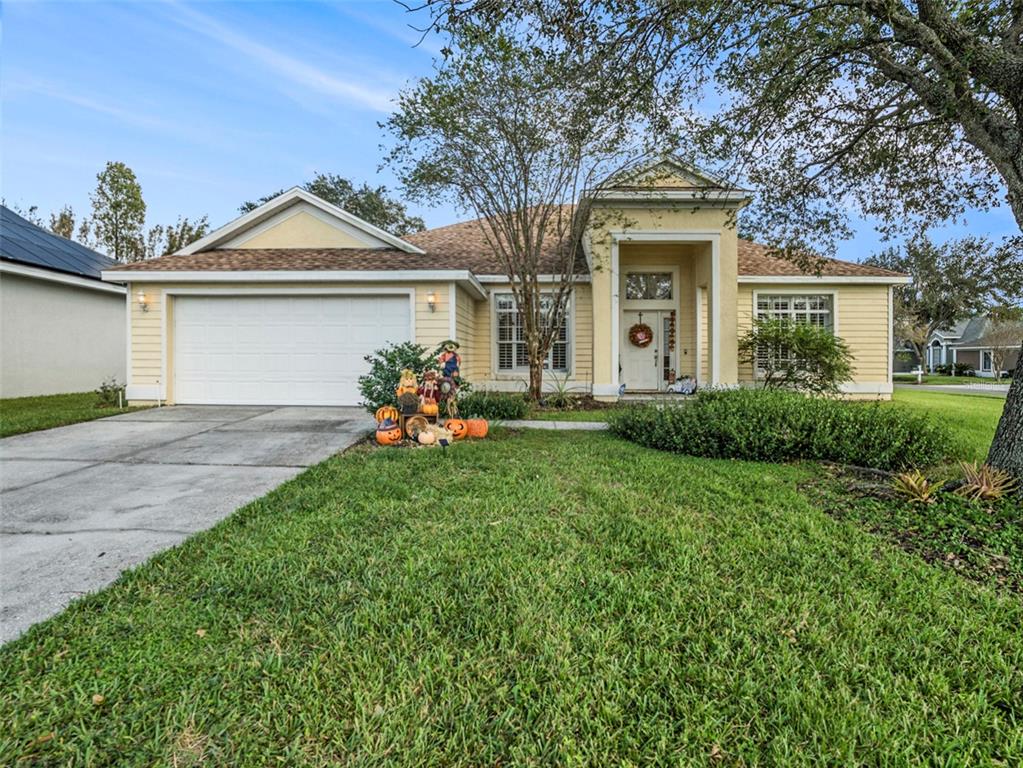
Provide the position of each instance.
(951, 282)
(522, 139)
(910, 112)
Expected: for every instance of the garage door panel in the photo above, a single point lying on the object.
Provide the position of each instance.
(280, 349)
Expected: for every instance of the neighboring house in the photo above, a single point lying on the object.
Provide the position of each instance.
(282, 304)
(965, 343)
(62, 328)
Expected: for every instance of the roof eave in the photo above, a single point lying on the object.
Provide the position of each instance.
(463, 276)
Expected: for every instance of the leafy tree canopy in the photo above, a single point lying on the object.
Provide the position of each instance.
(907, 111)
(118, 212)
(372, 204)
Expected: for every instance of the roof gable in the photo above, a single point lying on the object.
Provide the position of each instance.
(24, 242)
(300, 219)
(667, 173)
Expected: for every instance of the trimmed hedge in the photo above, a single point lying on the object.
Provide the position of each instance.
(495, 406)
(771, 425)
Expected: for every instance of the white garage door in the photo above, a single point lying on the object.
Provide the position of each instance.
(271, 350)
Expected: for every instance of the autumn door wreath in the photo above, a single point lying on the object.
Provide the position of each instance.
(641, 335)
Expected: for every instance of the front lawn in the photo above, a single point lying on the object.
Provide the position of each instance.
(972, 419)
(28, 414)
(537, 598)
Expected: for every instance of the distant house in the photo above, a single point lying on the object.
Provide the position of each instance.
(62, 328)
(965, 343)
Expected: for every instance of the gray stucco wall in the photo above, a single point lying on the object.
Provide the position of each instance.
(58, 338)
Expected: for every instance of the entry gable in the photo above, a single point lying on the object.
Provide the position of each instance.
(669, 179)
(298, 219)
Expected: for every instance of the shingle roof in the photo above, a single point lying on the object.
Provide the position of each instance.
(24, 242)
(756, 259)
(456, 246)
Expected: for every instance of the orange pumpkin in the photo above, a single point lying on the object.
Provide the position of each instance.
(430, 408)
(477, 427)
(388, 433)
(385, 412)
(458, 428)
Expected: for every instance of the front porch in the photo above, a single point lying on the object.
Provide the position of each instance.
(665, 299)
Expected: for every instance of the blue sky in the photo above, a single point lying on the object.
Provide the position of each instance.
(215, 103)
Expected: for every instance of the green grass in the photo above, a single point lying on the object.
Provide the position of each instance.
(533, 599)
(28, 414)
(582, 415)
(972, 419)
(937, 378)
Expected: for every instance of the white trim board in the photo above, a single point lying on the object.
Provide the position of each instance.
(825, 279)
(299, 276)
(832, 292)
(49, 275)
(282, 201)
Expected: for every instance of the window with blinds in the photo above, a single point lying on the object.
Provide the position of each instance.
(511, 338)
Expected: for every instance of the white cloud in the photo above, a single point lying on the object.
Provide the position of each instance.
(351, 90)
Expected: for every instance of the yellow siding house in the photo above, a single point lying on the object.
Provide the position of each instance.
(282, 305)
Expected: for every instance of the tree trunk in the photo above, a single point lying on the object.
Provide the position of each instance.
(1007, 449)
(535, 379)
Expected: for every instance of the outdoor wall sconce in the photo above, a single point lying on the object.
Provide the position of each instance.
(431, 301)
(143, 304)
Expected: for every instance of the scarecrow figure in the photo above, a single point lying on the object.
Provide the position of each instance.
(430, 388)
(407, 384)
(449, 359)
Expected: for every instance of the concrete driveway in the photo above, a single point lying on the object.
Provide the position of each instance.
(82, 503)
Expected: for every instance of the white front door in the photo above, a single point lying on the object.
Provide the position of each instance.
(280, 350)
(641, 366)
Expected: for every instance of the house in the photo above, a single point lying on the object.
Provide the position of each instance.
(281, 305)
(62, 329)
(966, 343)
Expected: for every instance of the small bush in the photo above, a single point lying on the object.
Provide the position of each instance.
(915, 486)
(497, 406)
(110, 393)
(377, 387)
(772, 425)
(985, 483)
(797, 356)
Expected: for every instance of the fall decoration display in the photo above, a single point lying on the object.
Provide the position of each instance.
(458, 428)
(430, 408)
(408, 384)
(409, 403)
(477, 427)
(640, 335)
(386, 412)
(388, 433)
(443, 435)
(449, 359)
(426, 437)
(416, 424)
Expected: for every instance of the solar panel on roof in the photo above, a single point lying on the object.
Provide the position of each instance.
(24, 242)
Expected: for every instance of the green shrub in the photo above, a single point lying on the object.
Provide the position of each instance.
(498, 406)
(797, 356)
(110, 393)
(385, 367)
(773, 425)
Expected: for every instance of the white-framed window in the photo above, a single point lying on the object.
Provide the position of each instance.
(986, 362)
(511, 337)
(813, 308)
(649, 286)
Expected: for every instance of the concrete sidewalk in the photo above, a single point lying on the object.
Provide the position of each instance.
(84, 502)
(991, 390)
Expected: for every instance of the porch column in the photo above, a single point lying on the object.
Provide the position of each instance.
(715, 311)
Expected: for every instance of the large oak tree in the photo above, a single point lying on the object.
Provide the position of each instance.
(910, 112)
